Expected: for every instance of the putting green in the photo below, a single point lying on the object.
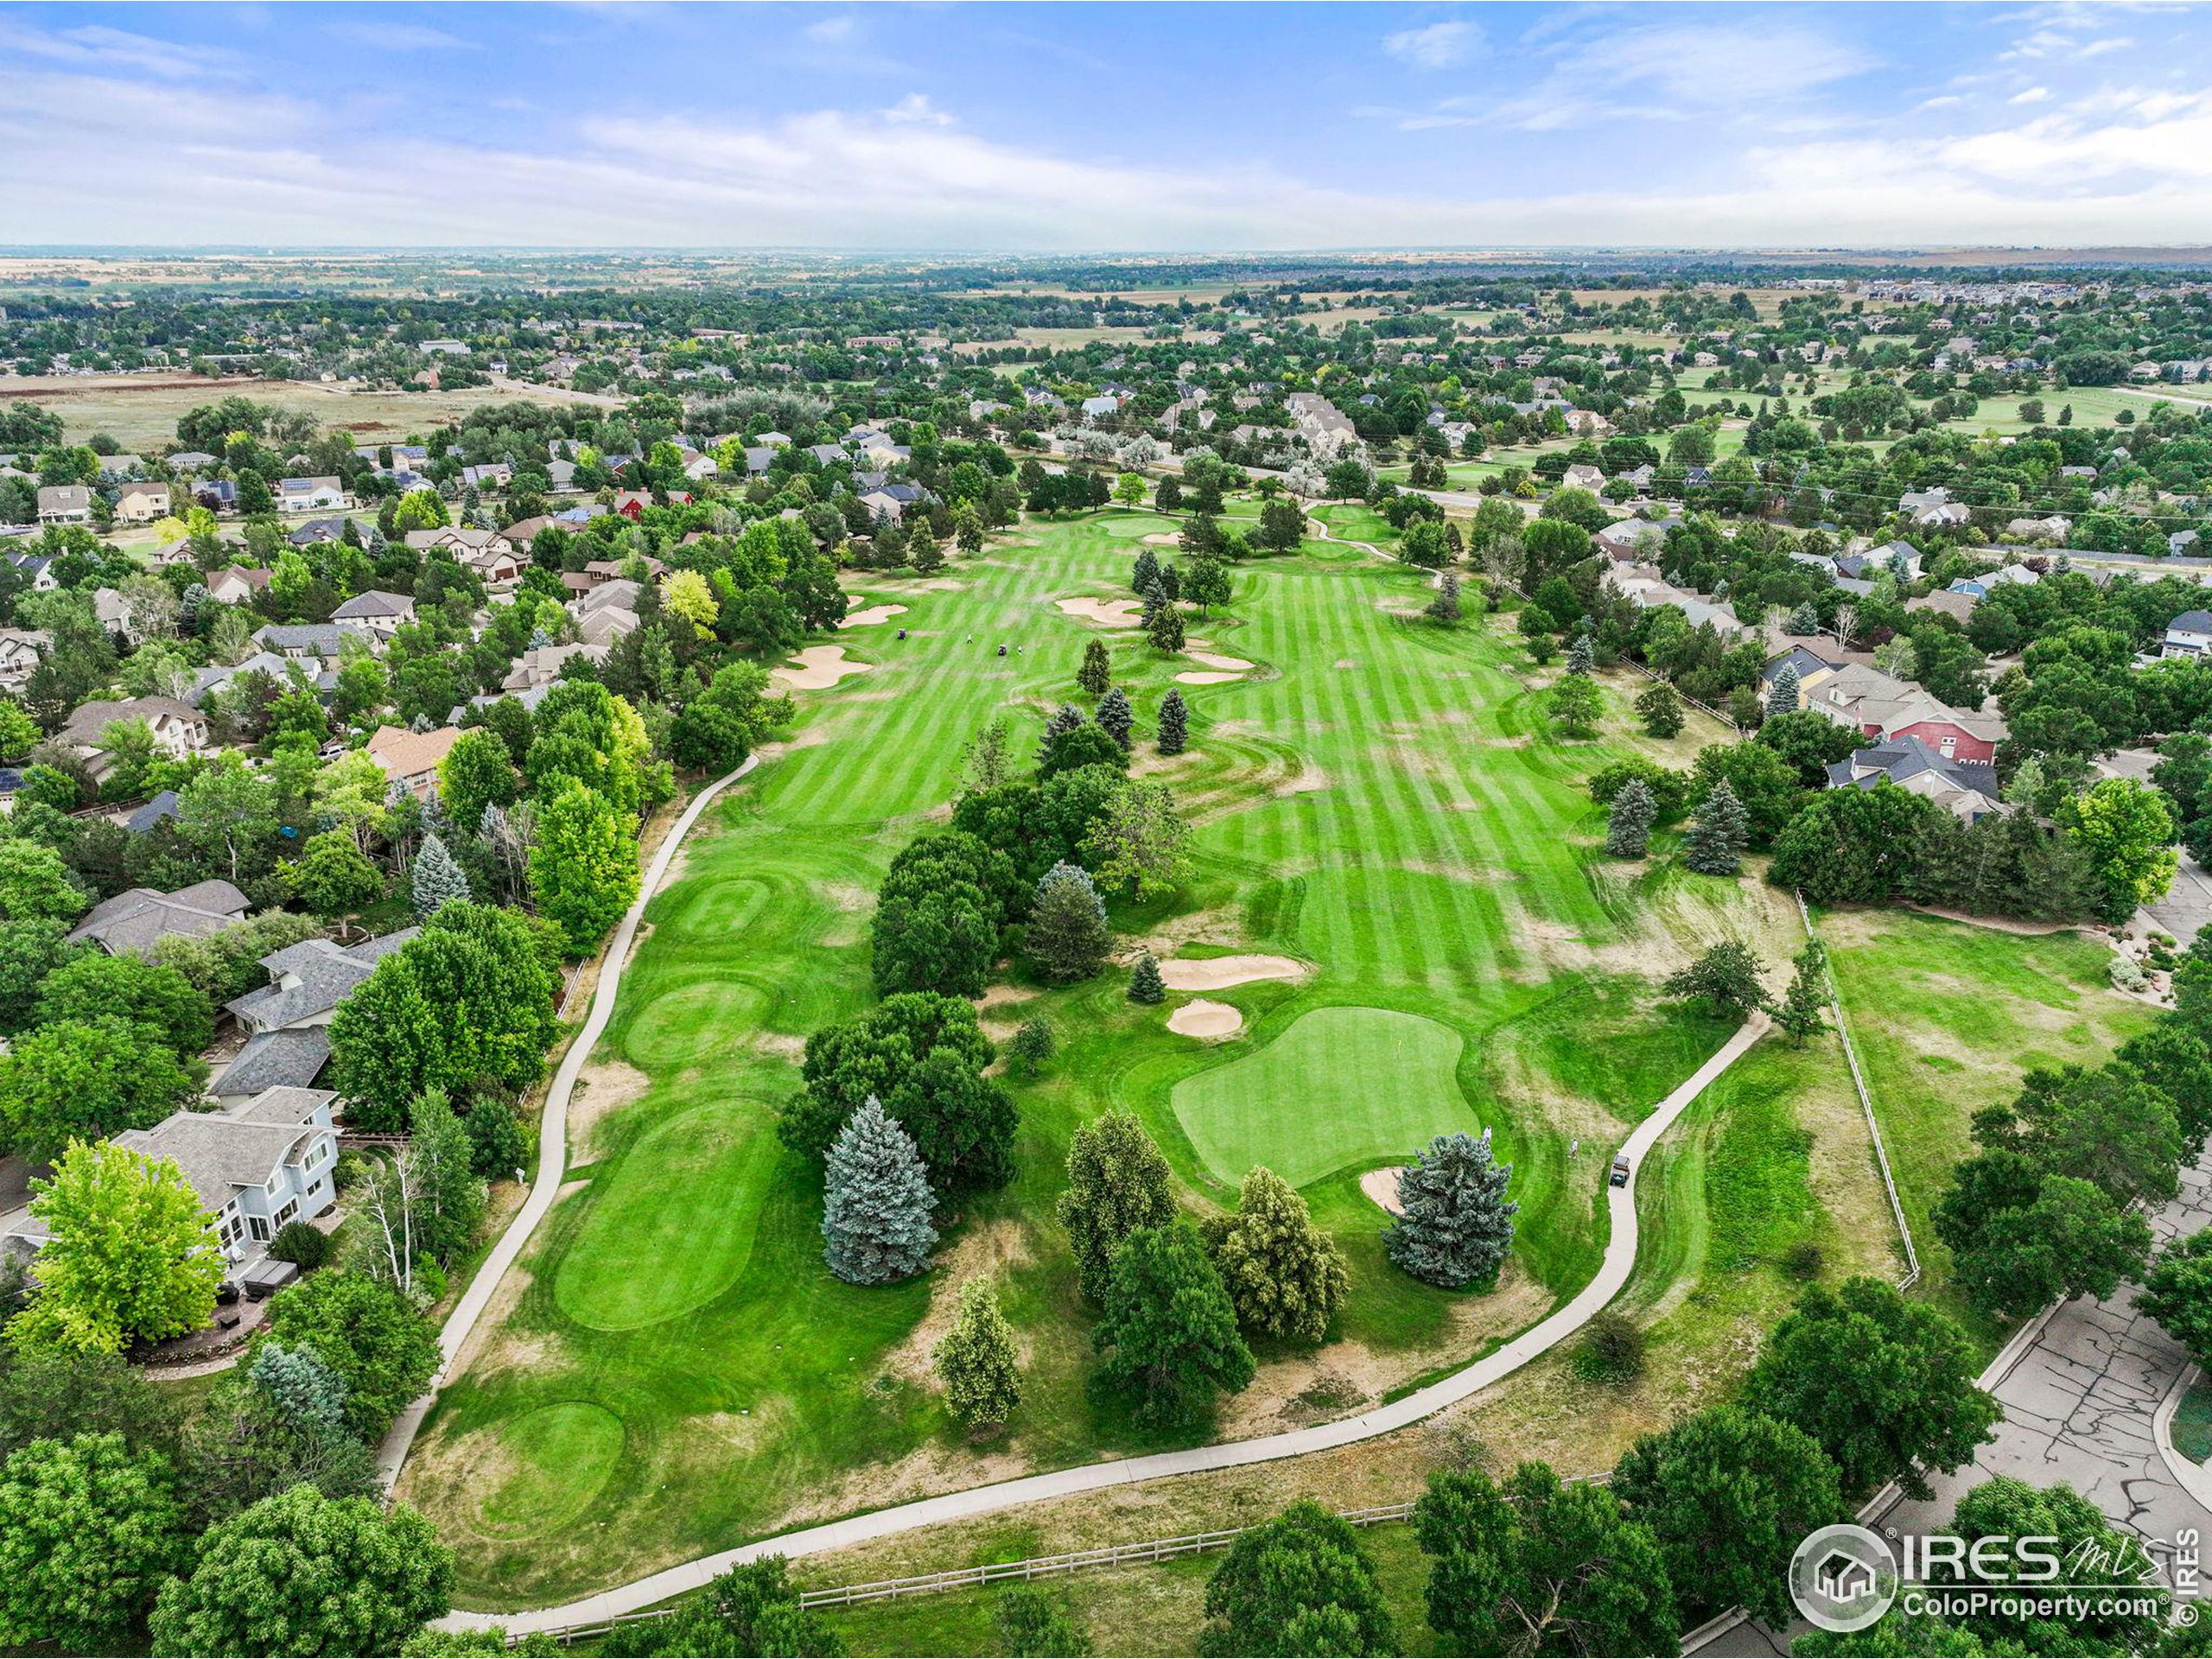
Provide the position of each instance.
(1341, 1086)
(549, 1464)
(672, 1227)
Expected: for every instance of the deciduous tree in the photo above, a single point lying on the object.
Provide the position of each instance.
(1298, 1584)
(1284, 1275)
(977, 1361)
(583, 865)
(1169, 1331)
(88, 1531)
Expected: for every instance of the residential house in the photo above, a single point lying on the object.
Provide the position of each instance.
(257, 1168)
(65, 504)
(308, 981)
(1876, 560)
(1582, 476)
(179, 729)
(317, 531)
(1327, 430)
(2183, 543)
(541, 666)
(141, 504)
(1958, 607)
(2053, 529)
(1934, 509)
(216, 494)
(112, 612)
(311, 495)
(2189, 634)
(320, 641)
(410, 759)
(236, 584)
(375, 612)
(1883, 707)
(881, 504)
(132, 922)
(120, 466)
(492, 475)
(1966, 788)
(486, 552)
(1980, 586)
(1812, 670)
(20, 650)
(188, 461)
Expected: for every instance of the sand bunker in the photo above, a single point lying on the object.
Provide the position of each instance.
(819, 668)
(1216, 659)
(1163, 540)
(1108, 612)
(873, 614)
(1382, 1185)
(1219, 973)
(1204, 1019)
(1208, 679)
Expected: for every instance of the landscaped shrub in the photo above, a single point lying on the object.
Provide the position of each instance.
(300, 1242)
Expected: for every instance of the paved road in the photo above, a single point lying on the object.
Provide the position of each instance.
(552, 1138)
(1612, 1274)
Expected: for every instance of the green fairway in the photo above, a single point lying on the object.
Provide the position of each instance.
(675, 1227)
(1380, 798)
(552, 1464)
(1341, 1086)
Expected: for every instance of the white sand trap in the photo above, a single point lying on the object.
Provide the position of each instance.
(1382, 1185)
(1163, 540)
(873, 614)
(1216, 659)
(1219, 973)
(819, 668)
(1108, 612)
(1204, 1019)
(1208, 679)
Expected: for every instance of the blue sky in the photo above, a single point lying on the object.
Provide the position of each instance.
(1106, 127)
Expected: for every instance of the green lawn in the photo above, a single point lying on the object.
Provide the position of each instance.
(2192, 1427)
(1947, 1018)
(1379, 797)
(1341, 1086)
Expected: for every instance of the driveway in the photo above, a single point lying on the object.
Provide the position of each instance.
(2188, 906)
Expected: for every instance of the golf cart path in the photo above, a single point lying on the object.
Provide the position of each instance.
(1539, 1338)
(552, 1139)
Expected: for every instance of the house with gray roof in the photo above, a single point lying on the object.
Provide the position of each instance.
(308, 981)
(132, 921)
(256, 1167)
(1966, 788)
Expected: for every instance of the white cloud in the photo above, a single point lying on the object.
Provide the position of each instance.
(126, 149)
(915, 111)
(2033, 95)
(1437, 46)
(399, 37)
(832, 31)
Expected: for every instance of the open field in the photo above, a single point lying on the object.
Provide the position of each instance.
(673, 1370)
(1948, 1017)
(141, 414)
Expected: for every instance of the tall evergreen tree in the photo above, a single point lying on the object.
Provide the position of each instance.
(1144, 573)
(1782, 695)
(1804, 1003)
(1174, 723)
(1156, 599)
(1579, 659)
(1715, 843)
(1628, 830)
(1115, 717)
(1285, 1275)
(977, 1362)
(1068, 935)
(1803, 621)
(876, 1202)
(1095, 674)
(1445, 607)
(1117, 1182)
(1144, 983)
(1065, 719)
(1166, 629)
(437, 879)
(1456, 1222)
